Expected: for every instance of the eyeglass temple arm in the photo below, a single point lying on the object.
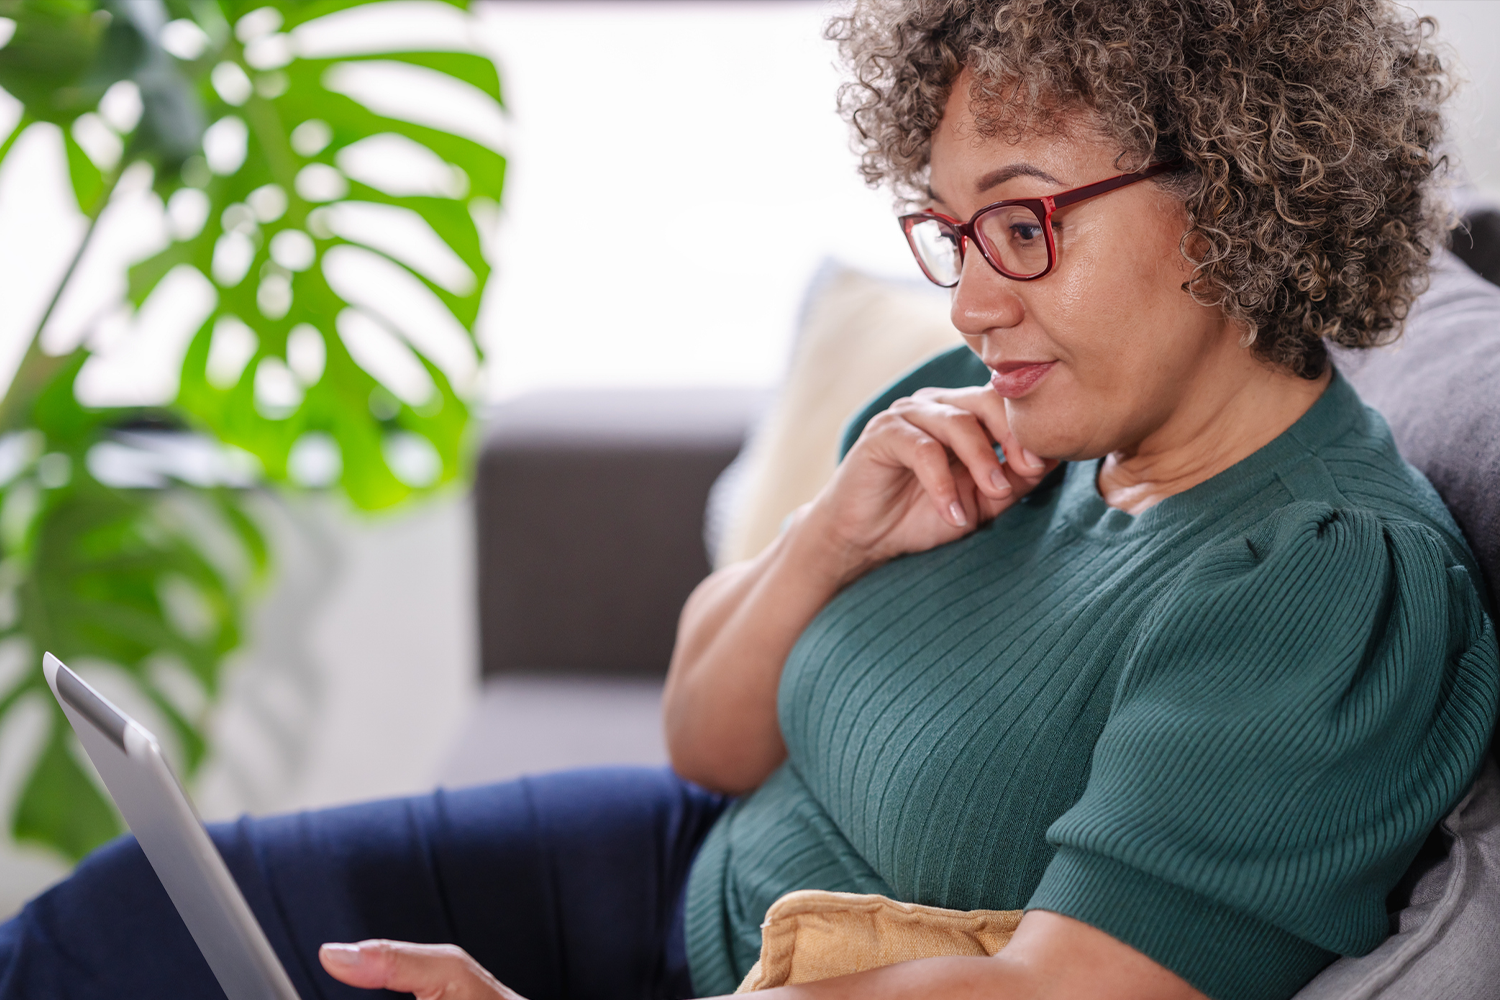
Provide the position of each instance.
(1104, 187)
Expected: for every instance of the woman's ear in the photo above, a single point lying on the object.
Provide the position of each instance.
(1194, 247)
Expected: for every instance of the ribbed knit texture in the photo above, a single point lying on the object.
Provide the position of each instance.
(1218, 731)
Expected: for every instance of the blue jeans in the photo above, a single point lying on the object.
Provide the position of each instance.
(564, 886)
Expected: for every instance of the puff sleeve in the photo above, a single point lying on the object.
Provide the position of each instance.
(1297, 712)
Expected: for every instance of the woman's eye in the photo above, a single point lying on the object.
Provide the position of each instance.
(1026, 232)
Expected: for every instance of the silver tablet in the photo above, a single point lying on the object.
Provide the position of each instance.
(170, 832)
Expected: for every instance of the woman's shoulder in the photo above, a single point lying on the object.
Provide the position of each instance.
(1324, 553)
(1353, 470)
(1338, 556)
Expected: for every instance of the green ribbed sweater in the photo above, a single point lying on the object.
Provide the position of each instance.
(1218, 731)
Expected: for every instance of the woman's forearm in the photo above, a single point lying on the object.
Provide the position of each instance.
(949, 978)
(719, 708)
(1051, 957)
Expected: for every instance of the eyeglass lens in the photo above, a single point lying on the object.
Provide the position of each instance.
(1012, 236)
(936, 245)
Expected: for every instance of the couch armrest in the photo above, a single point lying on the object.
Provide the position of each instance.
(589, 517)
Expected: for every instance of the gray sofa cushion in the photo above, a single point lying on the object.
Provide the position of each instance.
(1439, 387)
(1446, 941)
(1440, 390)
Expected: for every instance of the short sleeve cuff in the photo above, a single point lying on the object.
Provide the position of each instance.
(1227, 954)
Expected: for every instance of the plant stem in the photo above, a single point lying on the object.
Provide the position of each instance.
(37, 366)
(15, 133)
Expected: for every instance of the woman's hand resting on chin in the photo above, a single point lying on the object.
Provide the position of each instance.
(428, 971)
(923, 473)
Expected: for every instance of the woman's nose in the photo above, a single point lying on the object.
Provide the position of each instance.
(984, 300)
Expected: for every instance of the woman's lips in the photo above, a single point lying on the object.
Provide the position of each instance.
(1016, 379)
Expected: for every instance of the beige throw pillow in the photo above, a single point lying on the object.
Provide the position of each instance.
(859, 333)
(812, 934)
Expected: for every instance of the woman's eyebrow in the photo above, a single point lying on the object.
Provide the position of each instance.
(999, 176)
(1002, 174)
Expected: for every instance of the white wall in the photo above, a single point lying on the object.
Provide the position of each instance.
(1472, 29)
(678, 173)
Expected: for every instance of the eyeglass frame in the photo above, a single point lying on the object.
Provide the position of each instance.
(1042, 208)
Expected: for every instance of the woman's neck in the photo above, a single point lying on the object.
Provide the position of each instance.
(1227, 422)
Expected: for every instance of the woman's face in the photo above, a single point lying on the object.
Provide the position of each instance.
(1100, 354)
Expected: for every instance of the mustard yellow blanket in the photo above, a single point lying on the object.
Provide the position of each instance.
(812, 934)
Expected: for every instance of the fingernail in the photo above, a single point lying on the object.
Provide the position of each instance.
(998, 480)
(957, 510)
(341, 954)
(1031, 458)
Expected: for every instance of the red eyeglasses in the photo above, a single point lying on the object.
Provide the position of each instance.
(1015, 236)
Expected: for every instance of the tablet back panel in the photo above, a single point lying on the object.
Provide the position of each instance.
(174, 841)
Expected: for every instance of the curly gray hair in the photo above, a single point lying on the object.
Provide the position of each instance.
(1308, 130)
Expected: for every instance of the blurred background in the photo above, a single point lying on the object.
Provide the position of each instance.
(679, 201)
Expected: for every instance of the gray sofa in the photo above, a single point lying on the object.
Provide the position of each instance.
(589, 514)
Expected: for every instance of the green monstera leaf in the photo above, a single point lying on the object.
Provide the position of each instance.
(340, 234)
(290, 365)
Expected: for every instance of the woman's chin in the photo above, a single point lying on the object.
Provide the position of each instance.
(1045, 429)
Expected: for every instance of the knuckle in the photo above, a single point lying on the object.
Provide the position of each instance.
(927, 448)
(963, 416)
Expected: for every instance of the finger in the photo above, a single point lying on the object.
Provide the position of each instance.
(1026, 463)
(990, 409)
(990, 507)
(1025, 481)
(424, 970)
(963, 433)
(928, 460)
(974, 502)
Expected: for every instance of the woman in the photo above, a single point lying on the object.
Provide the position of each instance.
(1129, 616)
